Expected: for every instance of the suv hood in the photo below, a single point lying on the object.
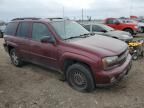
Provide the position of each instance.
(102, 45)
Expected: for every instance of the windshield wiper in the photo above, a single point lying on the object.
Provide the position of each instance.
(81, 36)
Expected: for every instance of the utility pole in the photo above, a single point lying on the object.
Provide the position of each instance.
(131, 7)
(82, 14)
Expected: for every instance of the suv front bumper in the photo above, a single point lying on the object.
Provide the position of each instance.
(111, 77)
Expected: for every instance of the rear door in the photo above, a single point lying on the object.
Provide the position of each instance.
(22, 39)
(43, 53)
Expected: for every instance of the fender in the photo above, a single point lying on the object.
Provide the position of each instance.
(80, 58)
(12, 44)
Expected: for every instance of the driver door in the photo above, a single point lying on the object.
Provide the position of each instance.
(42, 53)
(112, 23)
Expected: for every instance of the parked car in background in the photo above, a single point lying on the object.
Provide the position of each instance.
(85, 60)
(132, 21)
(105, 30)
(141, 24)
(119, 25)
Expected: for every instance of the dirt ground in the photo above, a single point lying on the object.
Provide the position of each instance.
(34, 87)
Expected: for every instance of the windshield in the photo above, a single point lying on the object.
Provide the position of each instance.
(67, 29)
(107, 28)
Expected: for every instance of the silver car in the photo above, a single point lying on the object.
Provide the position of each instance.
(105, 30)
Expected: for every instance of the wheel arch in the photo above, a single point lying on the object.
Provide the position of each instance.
(128, 28)
(67, 61)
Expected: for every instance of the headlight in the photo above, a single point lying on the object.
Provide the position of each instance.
(109, 62)
(125, 36)
(136, 27)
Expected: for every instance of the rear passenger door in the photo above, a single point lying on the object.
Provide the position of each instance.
(22, 38)
(43, 53)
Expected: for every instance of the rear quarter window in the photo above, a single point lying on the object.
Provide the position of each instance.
(11, 28)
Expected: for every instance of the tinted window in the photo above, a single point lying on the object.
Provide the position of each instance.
(96, 28)
(87, 27)
(39, 30)
(11, 29)
(23, 29)
(112, 21)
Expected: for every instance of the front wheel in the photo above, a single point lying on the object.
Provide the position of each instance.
(135, 56)
(129, 30)
(14, 58)
(79, 77)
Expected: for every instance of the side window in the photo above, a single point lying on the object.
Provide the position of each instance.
(23, 30)
(96, 28)
(87, 27)
(39, 30)
(11, 28)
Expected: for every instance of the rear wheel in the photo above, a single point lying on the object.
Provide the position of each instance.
(14, 58)
(1, 34)
(130, 31)
(79, 77)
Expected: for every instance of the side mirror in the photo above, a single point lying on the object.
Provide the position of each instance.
(47, 39)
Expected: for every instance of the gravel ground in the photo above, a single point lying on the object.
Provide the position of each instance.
(35, 87)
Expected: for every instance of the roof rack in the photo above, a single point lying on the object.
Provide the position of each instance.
(57, 18)
(27, 18)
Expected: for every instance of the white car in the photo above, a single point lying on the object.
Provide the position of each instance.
(139, 24)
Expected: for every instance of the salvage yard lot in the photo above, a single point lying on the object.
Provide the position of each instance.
(35, 87)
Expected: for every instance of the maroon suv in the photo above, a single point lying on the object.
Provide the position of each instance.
(86, 60)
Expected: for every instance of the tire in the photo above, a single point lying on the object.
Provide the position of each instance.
(79, 78)
(1, 35)
(134, 56)
(16, 61)
(142, 53)
(142, 28)
(129, 30)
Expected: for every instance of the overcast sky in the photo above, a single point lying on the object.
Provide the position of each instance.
(72, 8)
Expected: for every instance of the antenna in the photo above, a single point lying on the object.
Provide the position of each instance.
(82, 15)
(64, 22)
(63, 13)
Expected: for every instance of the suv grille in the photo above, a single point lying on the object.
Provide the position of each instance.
(122, 57)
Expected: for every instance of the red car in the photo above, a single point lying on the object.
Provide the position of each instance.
(119, 25)
(85, 60)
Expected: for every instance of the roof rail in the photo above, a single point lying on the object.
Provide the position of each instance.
(26, 18)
